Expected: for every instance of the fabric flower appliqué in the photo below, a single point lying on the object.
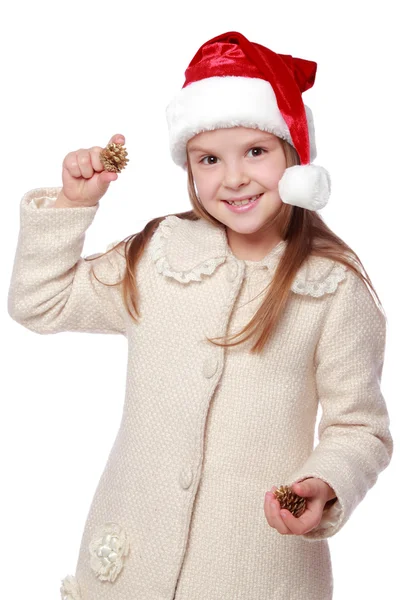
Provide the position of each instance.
(108, 550)
(70, 589)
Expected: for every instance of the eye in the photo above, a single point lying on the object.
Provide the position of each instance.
(208, 163)
(261, 151)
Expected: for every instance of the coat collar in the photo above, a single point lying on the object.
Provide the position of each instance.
(189, 250)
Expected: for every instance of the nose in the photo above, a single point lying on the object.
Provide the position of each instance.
(235, 176)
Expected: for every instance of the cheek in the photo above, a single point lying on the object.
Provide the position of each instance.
(202, 188)
(275, 174)
(206, 186)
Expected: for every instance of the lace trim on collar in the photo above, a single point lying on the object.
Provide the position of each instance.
(316, 277)
(159, 254)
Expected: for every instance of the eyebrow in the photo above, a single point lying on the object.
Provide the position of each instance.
(268, 137)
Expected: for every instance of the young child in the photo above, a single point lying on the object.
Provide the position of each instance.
(241, 315)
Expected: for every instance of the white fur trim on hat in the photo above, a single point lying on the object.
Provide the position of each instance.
(307, 186)
(222, 102)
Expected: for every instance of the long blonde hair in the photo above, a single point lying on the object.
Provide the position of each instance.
(304, 231)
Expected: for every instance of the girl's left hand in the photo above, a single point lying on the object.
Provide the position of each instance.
(317, 493)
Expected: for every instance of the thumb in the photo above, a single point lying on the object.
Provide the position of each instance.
(305, 488)
(105, 178)
(101, 182)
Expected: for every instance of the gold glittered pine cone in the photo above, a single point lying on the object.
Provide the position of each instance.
(113, 157)
(291, 501)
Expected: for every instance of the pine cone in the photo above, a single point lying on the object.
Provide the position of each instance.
(113, 157)
(291, 501)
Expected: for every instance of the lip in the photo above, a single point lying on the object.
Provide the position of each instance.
(240, 198)
(245, 207)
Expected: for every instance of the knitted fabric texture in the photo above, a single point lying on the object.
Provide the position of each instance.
(205, 432)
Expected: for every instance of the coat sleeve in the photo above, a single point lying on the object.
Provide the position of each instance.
(355, 444)
(52, 287)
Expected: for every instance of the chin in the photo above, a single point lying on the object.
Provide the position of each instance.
(244, 226)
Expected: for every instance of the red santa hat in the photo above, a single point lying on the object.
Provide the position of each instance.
(234, 82)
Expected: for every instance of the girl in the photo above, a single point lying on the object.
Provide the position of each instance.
(241, 315)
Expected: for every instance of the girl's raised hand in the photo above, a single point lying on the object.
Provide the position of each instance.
(317, 493)
(84, 178)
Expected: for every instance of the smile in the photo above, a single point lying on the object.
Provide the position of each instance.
(242, 206)
(243, 202)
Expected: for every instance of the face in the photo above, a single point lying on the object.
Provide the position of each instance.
(234, 164)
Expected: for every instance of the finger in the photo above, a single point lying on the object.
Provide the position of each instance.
(95, 158)
(300, 525)
(85, 163)
(272, 513)
(70, 163)
(267, 507)
(118, 138)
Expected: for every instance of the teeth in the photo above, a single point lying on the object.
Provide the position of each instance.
(242, 202)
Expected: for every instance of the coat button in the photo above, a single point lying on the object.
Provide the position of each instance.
(232, 271)
(210, 367)
(186, 477)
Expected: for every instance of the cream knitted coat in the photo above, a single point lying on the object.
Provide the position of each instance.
(205, 432)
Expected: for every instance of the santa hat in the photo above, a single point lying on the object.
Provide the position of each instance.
(234, 82)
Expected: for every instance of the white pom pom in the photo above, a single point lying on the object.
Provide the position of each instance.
(307, 186)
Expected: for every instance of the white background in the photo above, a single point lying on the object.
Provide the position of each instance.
(73, 74)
